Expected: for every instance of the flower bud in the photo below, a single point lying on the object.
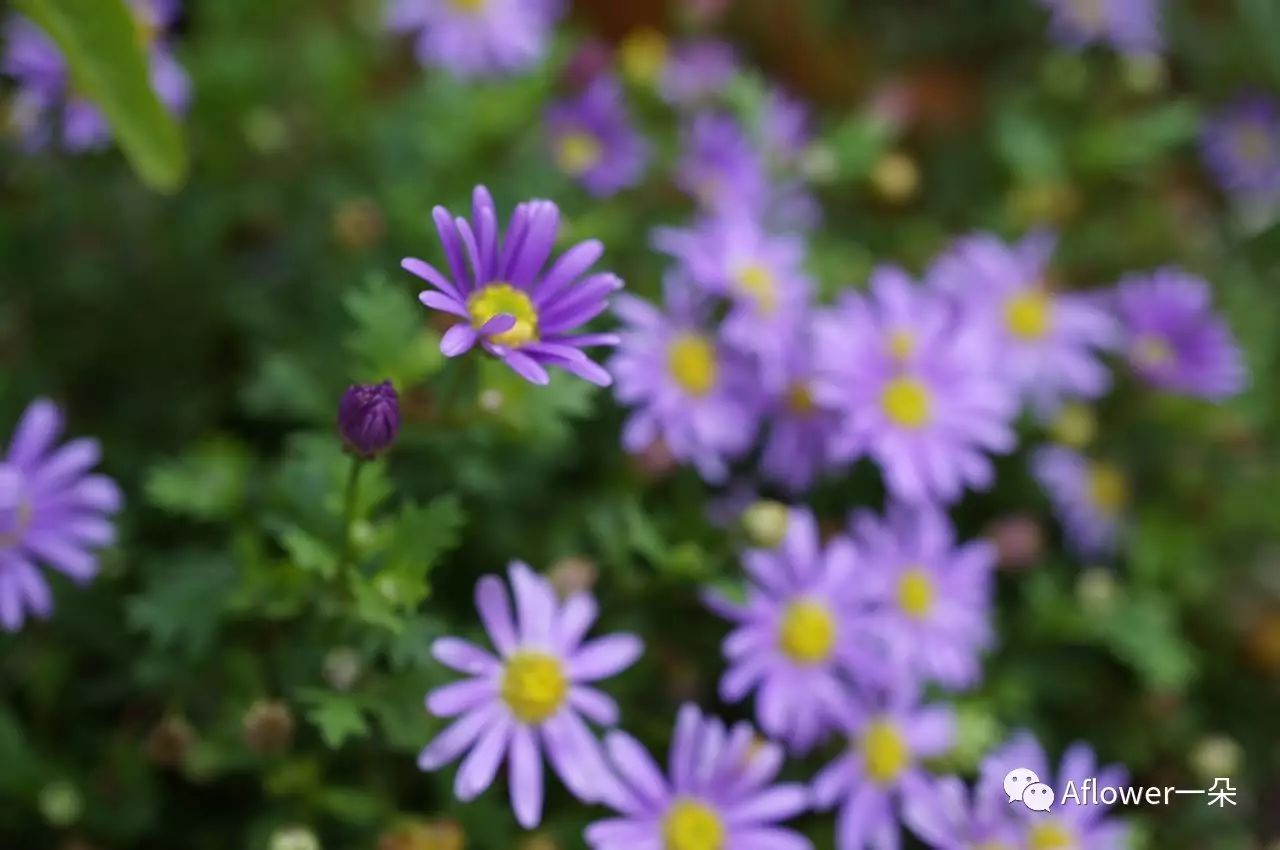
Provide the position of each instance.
(571, 575)
(268, 727)
(170, 742)
(766, 523)
(432, 835)
(342, 668)
(61, 803)
(294, 838)
(369, 418)
(1019, 541)
(896, 177)
(1216, 755)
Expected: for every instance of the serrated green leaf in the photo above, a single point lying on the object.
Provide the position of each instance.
(182, 603)
(336, 716)
(99, 39)
(391, 340)
(208, 482)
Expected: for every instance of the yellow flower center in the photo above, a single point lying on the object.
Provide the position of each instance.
(502, 298)
(691, 359)
(1075, 425)
(916, 593)
(807, 633)
(578, 152)
(757, 282)
(533, 686)
(469, 6)
(902, 344)
(800, 399)
(1108, 488)
(885, 754)
(644, 55)
(691, 825)
(1027, 314)
(1051, 835)
(1152, 351)
(906, 402)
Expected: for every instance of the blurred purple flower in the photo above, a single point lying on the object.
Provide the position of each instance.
(1130, 26)
(47, 112)
(593, 140)
(688, 389)
(881, 769)
(786, 127)
(945, 817)
(1069, 824)
(1241, 146)
(1091, 497)
(719, 166)
(720, 792)
(369, 418)
(512, 305)
(1174, 339)
(477, 38)
(52, 511)
(794, 634)
(531, 698)
(1048, 342)
(698, 71)
(801, 430)
(927, 599)
(917, 389)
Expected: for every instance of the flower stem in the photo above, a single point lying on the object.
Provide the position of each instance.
(349, 512)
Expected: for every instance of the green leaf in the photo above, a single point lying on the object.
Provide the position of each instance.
(337, 716)
(182, 603)
(99, 39)
(207, 483)
(390, 340)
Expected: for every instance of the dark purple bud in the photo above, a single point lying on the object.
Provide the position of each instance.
(369, 418)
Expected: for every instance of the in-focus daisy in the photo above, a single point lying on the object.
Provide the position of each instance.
(687, 389)
(794, 635)
(512, 304)
(593, 140)
(477, 38)
(1130, 26)
(1241, 146)
(1091, 497)
(801, 430)
(46, 110)
(1049, 342)
(720, 167)
(697, 71)
(761, 273)
(531, 699)
(52, 512)
(1174, 338)
(918, 390)
(881, 768)
(947, 818)
(719, 793)
(1069, 825)
(926, 599)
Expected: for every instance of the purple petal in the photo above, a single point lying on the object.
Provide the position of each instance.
(459, 735)
(604, 657)
(527, 368)
(526, 778)
(463, 656)
(452, 700)
(457, 340)
(495, 613)
(36, 432)
(481, 765)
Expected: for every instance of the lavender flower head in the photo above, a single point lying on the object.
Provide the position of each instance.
(1241, 146)
(1091, 497)
(794, 636)
(1069, 824)
(697, 71)
(720, 167)
(1130, 26)
(1174, 339)
(511, 303)
(880, 770)
(529, 700)
(802, 431)
(918, 390)
(593, 140)
(477, 38)
(686, 387)
(369, 418)
(928, 600)
(53, 511)
(719, 794)
(47, 112)
(786, 127)
(1048, 342)
(947, 817)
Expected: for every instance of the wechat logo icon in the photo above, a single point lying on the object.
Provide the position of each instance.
(1024, 786)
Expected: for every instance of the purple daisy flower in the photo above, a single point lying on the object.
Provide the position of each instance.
(1241, 146)
(1069, 824)
(1130, 26)
(720, 167)
(531, 699)
(513, 307)
(477, 38)
(801, 430)
(1048, 341)
(593, 140)
(1091, 497)
(51, 510)
(697, 71)
(47, 111)
(734, 257)
(794, 635)
(1174, 339)
(927, 599)
(945, 817)
(720, 792)
(918, 389)
(689, 390)
(881, 769)
(786, 127)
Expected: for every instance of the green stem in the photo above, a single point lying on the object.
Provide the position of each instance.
(349, 512)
